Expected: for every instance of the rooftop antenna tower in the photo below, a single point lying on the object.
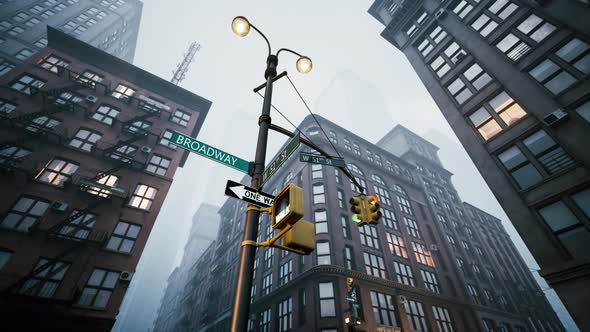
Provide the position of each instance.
(180, 73)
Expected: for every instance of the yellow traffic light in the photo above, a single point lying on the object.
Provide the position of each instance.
(358, 211)
(301, 237)
(372, 207)
(287, 207)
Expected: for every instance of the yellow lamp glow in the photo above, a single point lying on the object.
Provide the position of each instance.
(240, 26)
(304, 65)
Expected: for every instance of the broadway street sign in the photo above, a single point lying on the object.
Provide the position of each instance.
(193, 145)
(280, 159)
(321, 160)
(250, 195)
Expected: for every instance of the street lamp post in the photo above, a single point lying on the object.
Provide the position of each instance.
(241, 26)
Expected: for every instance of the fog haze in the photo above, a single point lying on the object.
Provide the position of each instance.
(356, 73)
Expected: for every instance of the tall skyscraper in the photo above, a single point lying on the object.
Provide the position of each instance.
(85, 165)
(203, 232)
(434, 261)
(511, 78)
(109, 25)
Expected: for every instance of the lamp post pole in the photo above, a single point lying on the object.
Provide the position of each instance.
(241, 306)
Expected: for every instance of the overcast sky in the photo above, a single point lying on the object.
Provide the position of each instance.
(349, 57)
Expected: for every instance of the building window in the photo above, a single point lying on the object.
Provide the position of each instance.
(332, 135)
(349, 258)
(443, 319)
(540, 148)
(108, 181)
(138, 127)
(316, 171)
(531, 31)
(78, 228)
(4, 257)
(469, 82)
(25, 213)
(323, 253)
(569, 64)
(286, 315)
(85, 139)
(158, 165)
(54, 64)
(264, 325)
(412, 228)
(318, 194)
(404, 205)
(321, 221)
(497, 114)
(106, 114)
(47, 14)
(15, 31)
(369, 236)
(564, 224)
(345, 227)
(374, 265)
(498, 11)
(24, 54)
(383, 195)
(5, 66)
(473, 293)
(383, 309)
(415, 315)
(347, 144)
(36, 9)
(123, 93)
(357, 149)
(430, 281)
(180, 117)
(124, 153)
(99, 288)
(464, 7)
(285, 272)
(143, 197)
(12, 154)
(266, 284)
(327, 299)
(268, 254)
(340, 195)
(583, 110)
(434, 201)
(389, 219)
(123, 237)
(27, 84)
(165, 140)
(45, 278)
(422, 254)
(67, 98)
(57, 172)
(397, 245)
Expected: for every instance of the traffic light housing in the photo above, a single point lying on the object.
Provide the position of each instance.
(373, 209)
(301, 237)
(358, 210)
(287, 207)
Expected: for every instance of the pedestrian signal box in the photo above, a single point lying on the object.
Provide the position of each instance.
(301, 237)
(287, 207)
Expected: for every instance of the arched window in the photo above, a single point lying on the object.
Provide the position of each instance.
(358, 175)
(355, 169)
(378, 179)
(400, 190)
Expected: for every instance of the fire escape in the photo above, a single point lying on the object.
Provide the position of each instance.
(78, 228)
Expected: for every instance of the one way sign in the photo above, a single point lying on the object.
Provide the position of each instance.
(250, 195)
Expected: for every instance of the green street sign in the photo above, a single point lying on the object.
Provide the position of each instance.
(280, 159)
(205, 150)
(321, 160)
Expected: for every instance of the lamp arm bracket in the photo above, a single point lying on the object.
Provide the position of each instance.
(259, 209)
(263, 85)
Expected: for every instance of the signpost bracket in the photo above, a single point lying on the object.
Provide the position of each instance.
(270, 242)
(318, 149)
(251, 166)
(256, 208)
